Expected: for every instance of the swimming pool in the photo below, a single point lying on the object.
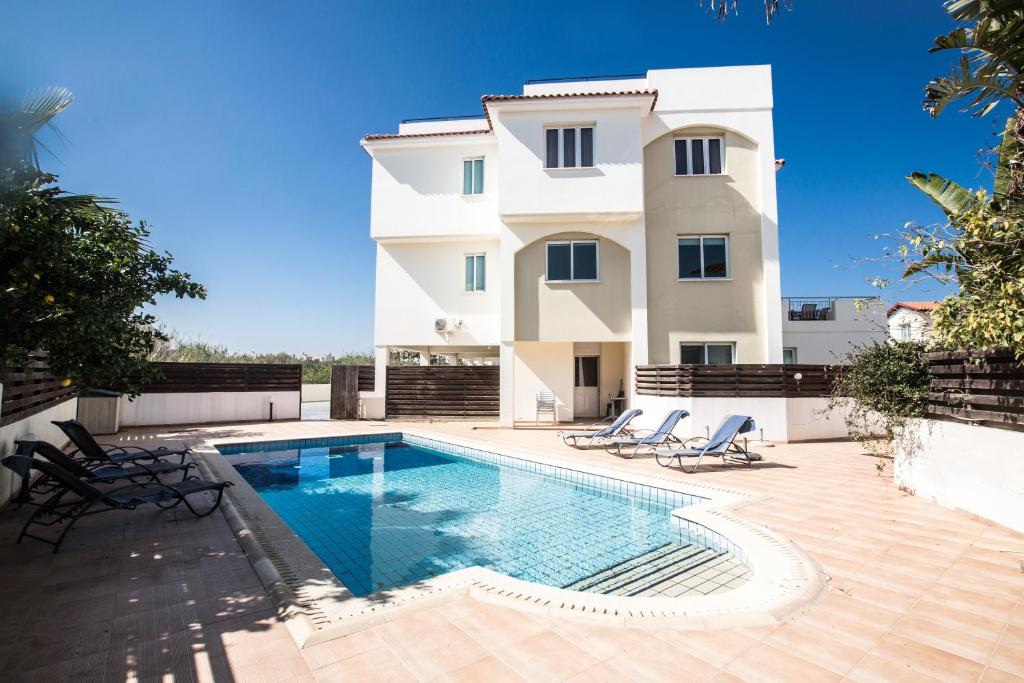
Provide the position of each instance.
(388, 510)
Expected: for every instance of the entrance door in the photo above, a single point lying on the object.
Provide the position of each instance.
(586, 401)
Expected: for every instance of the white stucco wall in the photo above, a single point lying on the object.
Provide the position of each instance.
(543, 366)
(316, 392)
(920, 324)
(972, 468)
(214, 406)
(420, 282)
(38, 424)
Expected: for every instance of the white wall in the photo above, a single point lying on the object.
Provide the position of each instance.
(782, 419)
(420, 282)
(920, 324)
(972, 468)
(38, 424)
(417, 189)
(826, 341)
(543, 366)
(214, 406)
(316, 392)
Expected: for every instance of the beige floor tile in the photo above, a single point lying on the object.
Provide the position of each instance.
(1008, 658)
(875, 669)
(767, 663)
(485, 670)
(652, 661)
(373, 666)
(431, 653)
(947, 638)
(717, 648)
(546, 657)
(809, 644)
(338, 649)
(926, 659)
(996, 676)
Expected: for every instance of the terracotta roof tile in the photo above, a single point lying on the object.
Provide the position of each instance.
(920, 306)
(509, 98)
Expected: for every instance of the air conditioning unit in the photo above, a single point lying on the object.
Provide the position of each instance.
(440, 324)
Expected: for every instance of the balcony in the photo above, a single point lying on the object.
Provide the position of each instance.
(809, 309)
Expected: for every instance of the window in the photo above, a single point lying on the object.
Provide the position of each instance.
(573, 260)
(905, 334)
(473, 176)
(706, 354)
(789, 355)
(569, 147)
(699, 156)
(703, 257)
(476, 273)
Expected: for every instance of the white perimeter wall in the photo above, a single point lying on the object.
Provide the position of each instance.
(782, 419)
(214, 406)
(543, 366)
(976, 469)
(39, 425)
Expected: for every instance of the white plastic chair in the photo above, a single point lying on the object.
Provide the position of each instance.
(545, 404)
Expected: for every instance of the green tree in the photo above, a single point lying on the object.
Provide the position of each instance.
(723, 8)
(75, 272)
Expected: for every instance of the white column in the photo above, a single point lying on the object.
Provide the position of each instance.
(772, 284)
(507, 248)
(424, 357)
(638, 304)
(507, 402)
(373, 401)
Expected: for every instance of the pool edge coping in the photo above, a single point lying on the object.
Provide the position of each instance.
(786, 579)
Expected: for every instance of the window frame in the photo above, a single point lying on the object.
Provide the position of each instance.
(707, 155)
(572, 260)
(703, 277)
(465, 264)
(796, 358)
(705, 345)
(578, 127)
(906, 331)
(472, 175)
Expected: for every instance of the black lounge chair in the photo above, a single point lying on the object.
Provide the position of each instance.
(90, 449)
(129, 497)
(722, 444)
(89, 471)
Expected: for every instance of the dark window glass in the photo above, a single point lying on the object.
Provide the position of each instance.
(788, 355)
(552, 147)
(469, 273)
(714, 257)
(680, 157)
(478, 176)
(480, 273)
(714, 156)
(586, 147)
(691, 353)
(689, 257)
(584, 261)
(467, 177)
(559, 263)
(586, 371)
(568, 147)
(719, 354)
(697, 152)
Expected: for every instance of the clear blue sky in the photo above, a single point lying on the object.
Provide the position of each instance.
(234, 127)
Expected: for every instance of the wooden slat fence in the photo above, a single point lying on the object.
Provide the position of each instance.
(30, 390)
(988, 390)
(367, 377)
(735, 380)
(207, 377)
(466, 391)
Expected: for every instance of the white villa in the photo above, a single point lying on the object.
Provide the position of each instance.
(911, 320)
(584, 227)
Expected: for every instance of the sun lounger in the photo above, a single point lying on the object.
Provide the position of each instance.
(601, 432)
(90, 471)
(89, 500)
(90, 449)
(647, 439)
(722, 444)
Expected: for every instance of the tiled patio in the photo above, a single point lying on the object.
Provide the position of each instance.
(917, 592)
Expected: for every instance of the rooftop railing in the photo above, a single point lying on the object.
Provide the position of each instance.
(428, 119)
(811, 309)
(570, 79)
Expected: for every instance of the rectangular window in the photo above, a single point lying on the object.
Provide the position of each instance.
(575, 260)
(905, 334)
(476, 273)
(789, 355)
(699, 156)
(718, 353)
(703, 257)
(473, 176)
(569, 147)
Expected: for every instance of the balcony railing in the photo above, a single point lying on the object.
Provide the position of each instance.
(811, 309)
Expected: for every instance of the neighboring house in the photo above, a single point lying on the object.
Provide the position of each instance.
(911, 320)
(823, 329)
(584, 227)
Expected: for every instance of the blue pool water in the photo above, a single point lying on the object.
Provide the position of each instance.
(383, 515)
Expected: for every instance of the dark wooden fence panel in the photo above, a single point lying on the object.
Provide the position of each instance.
(735, 380)
(206, 377)
(344, 392)
(467, 391)
(989, 389)
(367, 377)
(30, 390)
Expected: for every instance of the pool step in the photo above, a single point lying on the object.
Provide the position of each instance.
(668, 570)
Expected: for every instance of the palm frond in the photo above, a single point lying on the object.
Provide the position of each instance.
(21, 123)
(951, 197)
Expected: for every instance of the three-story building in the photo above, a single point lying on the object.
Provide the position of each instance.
(581, 228)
